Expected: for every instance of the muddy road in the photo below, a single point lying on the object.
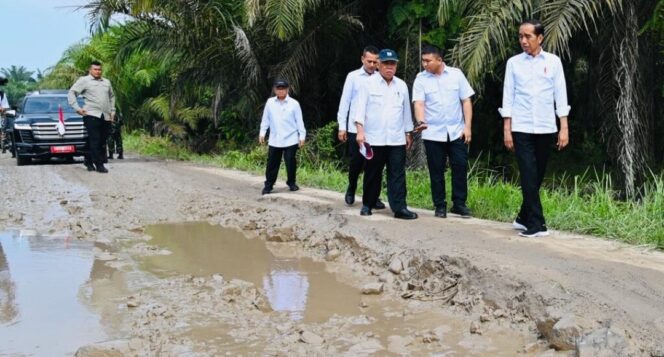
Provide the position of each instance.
(167, 258)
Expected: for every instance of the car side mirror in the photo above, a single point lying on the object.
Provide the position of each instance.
(10, 113)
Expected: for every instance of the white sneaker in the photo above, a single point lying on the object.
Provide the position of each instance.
(518, 226)
(535, 232)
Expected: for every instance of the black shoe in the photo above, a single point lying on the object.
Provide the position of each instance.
(365, 211)
(266, 190)
(90, 167)
(378, 205)
(440, 212)
(535, 232)
(350, 196)
(405, 214)
(120, 157)
(462, 211)
(293, 187)
(102, 169)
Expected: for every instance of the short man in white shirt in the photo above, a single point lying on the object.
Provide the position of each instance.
(384, 120)
(534, 81)
(283, 117)
(444, 112)
(348, 133)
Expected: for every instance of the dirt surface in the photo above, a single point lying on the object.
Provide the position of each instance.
(579, 295)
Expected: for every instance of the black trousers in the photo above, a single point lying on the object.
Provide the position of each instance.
(437, 154)
(97, 129)
(274, 155)
(394, 157)
(532, 154)
(356, 163)
(114, 141)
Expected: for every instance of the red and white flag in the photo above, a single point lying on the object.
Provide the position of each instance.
(61, 121)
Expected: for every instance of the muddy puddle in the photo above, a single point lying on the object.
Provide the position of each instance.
(47, 295)
(314, 295)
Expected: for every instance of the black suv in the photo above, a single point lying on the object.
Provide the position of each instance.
(36, 132)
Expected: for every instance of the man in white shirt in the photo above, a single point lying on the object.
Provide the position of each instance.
(348, 133)
(383, 119)
(283, 117)
(534, 81)
(4, 106)
(444, 112)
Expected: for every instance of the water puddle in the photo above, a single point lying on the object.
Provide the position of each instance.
(47, 295)
(310, 294)
(298, 286)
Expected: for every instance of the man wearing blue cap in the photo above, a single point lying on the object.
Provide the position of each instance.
(283, 117)
(383, 119)
(444, 112)
(346, 113)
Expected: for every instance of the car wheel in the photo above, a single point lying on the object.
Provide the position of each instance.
(20, 160)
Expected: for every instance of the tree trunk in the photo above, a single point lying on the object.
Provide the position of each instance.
(631, 120)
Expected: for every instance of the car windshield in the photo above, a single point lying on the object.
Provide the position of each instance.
(48, 105)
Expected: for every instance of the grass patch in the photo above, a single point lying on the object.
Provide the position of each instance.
(586, 205)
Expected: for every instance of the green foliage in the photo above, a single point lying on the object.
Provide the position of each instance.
(321, 147)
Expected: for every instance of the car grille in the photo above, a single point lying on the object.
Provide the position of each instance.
(26, 136)
(49, 131)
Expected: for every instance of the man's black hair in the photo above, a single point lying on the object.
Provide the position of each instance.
(539, 28)
(432, 50)
(95, 63)
(371, 49)
(3, 81)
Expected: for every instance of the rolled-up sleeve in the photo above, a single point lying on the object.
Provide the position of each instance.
(302, 132)
(407, 112)
(508, 91)
(344, 103)
(265, 121)
(361, 110)
(74, 92)
(560, 92)
(111, 97)
(418, 90)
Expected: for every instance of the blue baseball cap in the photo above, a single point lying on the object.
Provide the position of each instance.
(280, 82)
(386, 55)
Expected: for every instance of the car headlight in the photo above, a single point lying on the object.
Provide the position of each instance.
(20, 126)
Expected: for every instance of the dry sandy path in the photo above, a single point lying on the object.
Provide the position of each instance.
(602, 283)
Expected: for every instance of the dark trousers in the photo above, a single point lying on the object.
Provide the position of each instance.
(114, 141)
(274, 155)
(437, 154)
(394, 157)
(97, 129)
(356, 163)
(532, 154)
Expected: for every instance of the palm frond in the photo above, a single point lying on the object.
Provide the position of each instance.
(563, 18)
(488, 37)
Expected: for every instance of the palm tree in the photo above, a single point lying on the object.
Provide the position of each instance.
(17, 74)
(488, 38)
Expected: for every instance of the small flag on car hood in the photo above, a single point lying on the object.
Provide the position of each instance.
(61, 121)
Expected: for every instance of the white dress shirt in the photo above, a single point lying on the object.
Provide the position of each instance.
(532, 86)
(384, 110)
(348, 102)
(284, 119)
(4, 103)
(442, 95)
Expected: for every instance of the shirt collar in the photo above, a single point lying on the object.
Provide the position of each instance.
(276, 99)
(363, 72)
(542, 55)
(93, 78)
